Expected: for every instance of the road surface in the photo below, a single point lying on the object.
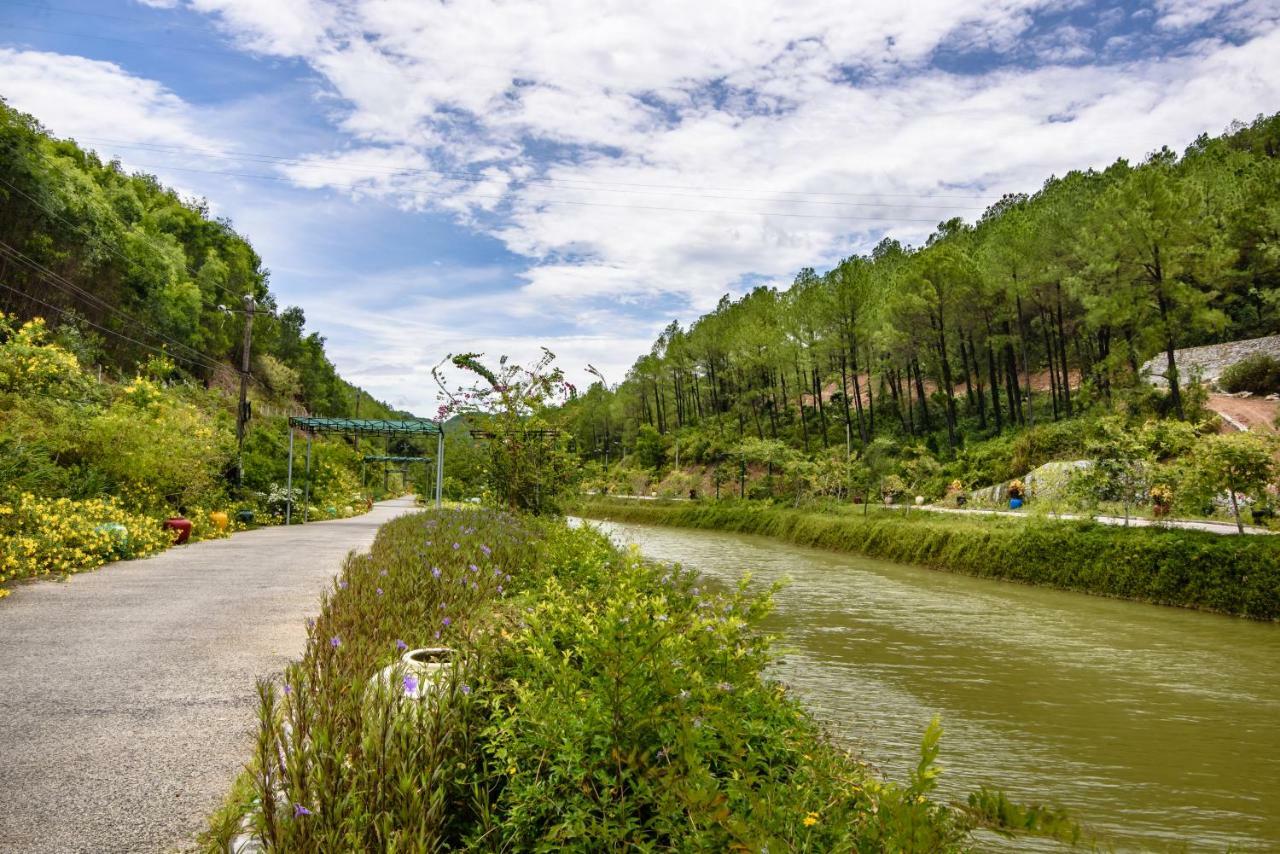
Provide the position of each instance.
(127, 694)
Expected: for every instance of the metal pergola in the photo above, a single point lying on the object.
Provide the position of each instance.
(383, 458)
(360, 427)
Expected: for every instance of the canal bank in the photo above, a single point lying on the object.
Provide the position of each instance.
(1187, 569)
(1156, 727)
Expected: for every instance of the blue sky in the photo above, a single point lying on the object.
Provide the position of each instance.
(426, 178)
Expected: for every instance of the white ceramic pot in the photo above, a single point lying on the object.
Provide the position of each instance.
(429, 666)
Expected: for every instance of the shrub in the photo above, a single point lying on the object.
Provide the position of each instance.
(1258, 373)
(40, 536)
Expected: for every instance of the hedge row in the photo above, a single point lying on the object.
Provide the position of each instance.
(1189, 569)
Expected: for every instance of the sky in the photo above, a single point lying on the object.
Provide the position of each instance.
(427, 178)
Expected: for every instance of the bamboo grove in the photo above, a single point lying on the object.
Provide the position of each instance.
(1048, 303)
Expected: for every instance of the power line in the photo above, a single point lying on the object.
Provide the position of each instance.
(157, 45)
(573, 183)
(67, 313)
(64, 285)
(133, 19)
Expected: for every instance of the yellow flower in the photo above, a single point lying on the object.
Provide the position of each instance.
(811, 819)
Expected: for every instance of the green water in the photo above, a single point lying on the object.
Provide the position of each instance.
(1159, 729)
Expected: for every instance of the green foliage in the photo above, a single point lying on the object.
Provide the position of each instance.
(529, 466)
(599, 702)
(1190, 569)
(1120, 470)
(649, 451)
(1241, 464)
(1258, 373)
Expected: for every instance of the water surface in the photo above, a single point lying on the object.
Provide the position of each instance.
(1158, 728)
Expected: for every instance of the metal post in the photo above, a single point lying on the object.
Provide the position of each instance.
(440, 468)
(306, 491)
(242, 414)
(288, 489)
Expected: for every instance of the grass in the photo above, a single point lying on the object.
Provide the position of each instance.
(1190, 569)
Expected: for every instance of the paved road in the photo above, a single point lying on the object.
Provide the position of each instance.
(127, 694)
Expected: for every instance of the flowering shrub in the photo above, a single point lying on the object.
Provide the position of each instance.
(45, 536)
(597, 701)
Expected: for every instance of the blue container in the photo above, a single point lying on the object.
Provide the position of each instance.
(1015, 503)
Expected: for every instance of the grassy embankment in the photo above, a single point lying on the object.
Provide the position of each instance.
(597, 702)
(1190, 569)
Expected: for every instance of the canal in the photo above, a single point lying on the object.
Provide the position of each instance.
(1158, 728)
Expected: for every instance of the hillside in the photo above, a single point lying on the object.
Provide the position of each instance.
(132, 270)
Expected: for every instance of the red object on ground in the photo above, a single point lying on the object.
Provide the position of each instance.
(181, 526)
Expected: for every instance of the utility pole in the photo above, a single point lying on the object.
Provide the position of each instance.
(242, 414)
(357, 416)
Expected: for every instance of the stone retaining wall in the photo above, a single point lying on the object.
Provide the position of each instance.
(1211, 360)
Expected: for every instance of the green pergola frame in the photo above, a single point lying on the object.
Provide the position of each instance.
(360, 427)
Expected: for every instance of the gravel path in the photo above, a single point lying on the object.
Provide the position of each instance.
(127, 694)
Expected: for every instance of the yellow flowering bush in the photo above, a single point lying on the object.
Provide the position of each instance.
(58, 536)
(29, 362)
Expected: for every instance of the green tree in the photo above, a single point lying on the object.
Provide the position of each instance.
(529, 466)
(1119, 470)
(1241, 463)
(1155, 231)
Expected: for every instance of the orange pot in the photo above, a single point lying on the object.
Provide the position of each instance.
(219, 520)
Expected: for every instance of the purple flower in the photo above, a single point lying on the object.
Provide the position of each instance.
(456, 546)
(487, 551)
(379, 591)
(410, 684)
(299, 810)
(475, 568)
(437, 636)
(334, 642)
(383, 573)
(499, 588)
(475, 586)
(435, 572)
(342, 585)
(466, 689)
(401, 645)
(446, 622)
(288, 689)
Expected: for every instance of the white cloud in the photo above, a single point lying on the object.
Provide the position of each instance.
(658, 135)
(658, 154)
(74, 96)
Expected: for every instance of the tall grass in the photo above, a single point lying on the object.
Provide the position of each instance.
(1190, 569)
(601, 702)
